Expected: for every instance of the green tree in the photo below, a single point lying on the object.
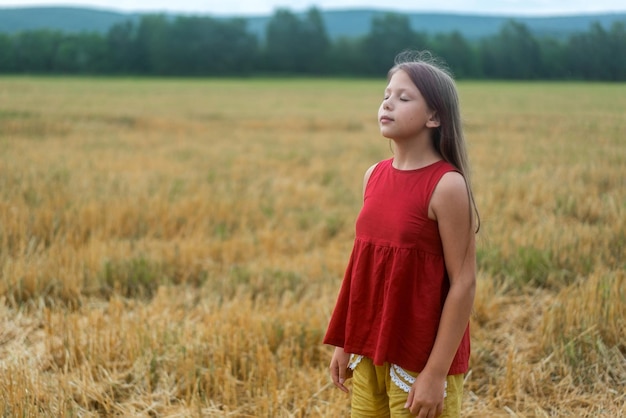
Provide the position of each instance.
(514, 53)
(617, 45)
(35, 50)
(122, 48)
(553, 59)
(158, 44)
(389, 34)
(345, 56)
(7, 54)
(238, 50)
(312, 55)
(294, 45)
(207, 46)
(282, 42)
(587, 51)
(150, 44)
(599, 54)
(457, 53)
(81, 53)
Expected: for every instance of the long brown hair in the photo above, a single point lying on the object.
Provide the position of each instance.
(438, 88)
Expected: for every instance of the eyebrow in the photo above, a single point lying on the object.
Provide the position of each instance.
(400, 90)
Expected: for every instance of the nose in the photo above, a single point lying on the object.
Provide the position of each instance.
(386, 104)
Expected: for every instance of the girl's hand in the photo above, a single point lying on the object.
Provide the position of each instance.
(339, 371)
(426, 396)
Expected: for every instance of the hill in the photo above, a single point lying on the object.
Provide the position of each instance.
(348, 23)
(67, 19)
(356, 22)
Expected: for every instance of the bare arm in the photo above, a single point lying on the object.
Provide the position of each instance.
(450, 207)
(366, 178)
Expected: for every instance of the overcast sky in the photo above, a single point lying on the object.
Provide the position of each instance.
(256, 7)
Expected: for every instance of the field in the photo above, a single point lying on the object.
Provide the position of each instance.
(175, 247)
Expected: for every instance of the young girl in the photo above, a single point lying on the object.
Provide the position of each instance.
(401, 322)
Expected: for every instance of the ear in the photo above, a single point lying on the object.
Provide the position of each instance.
(433, 121)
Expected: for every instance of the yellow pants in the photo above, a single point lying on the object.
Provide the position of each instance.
(382, 391)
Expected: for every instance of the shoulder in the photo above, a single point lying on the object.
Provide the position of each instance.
(452, 182)
(367, 176)
(368, 173)
(450, 196)
(370, 170)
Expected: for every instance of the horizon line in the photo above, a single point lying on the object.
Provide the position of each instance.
(327, 9)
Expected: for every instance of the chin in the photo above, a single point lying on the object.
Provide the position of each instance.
(384, 133)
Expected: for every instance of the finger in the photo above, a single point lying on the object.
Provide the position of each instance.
(343, 388)
(409, 400)
(425, 412)
(342, 379)
(335, 372)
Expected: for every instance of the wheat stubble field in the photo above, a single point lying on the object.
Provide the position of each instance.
(175, 247)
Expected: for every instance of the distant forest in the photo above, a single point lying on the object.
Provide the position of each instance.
(299, 45)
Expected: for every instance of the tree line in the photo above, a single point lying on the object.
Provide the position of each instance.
(299, 45)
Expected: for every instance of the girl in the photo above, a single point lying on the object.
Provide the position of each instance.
(401, 322)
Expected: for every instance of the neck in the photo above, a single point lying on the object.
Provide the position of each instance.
(410, 155)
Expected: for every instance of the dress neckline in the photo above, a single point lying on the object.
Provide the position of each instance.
(413, 170)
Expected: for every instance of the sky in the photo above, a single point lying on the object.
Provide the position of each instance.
(267, 7)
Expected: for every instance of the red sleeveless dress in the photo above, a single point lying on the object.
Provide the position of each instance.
(395, 284)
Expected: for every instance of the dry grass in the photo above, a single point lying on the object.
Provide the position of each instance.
(174, 247)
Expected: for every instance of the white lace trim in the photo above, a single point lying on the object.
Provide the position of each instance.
(354, 360)
(398, 375)
(404, 381)
(401, 378)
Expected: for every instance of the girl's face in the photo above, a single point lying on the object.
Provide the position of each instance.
(404, 114)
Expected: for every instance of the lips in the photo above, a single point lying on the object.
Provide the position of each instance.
(384, 119)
